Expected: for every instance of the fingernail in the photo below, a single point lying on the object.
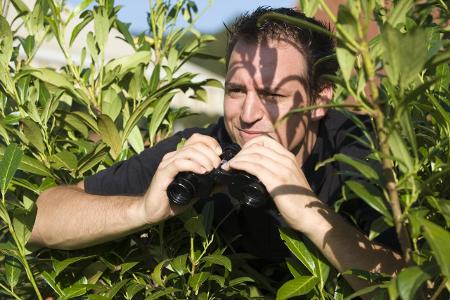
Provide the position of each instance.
(226, 166)
(203, 170)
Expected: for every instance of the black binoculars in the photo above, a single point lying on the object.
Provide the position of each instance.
(246, 188)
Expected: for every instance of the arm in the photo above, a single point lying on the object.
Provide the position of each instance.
(69, 218)
(341, 243)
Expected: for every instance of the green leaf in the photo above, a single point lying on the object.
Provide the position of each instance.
(111, 103)
(296, 287)
(309, 7)
(101, 27)
(178, 264)
(398, 13)
(8, 166)
(154, 79)
(33, 134)
(298, 248)
(140, 111)
(400, 152)
(94, 157)
(6, 39)
(370, 195)
(125, 267)
(156, 274)
(6, 80)
(23, 221)
(76, 124)
(123, 28)
(378, 226)
(86, 119)
(194, 225)
(50, 279)
(128, 63)
(12, 271)
(365, 291)
(21, 7)
(240, 280)
(160, 294)
(64, 159)
(135, 140)
(60, 266)
(322, 270)
(409, 280)
(439, 240)
(359, 165)
(29, 164)
(161, 109)
(398, 57)
(116, 288)
(52, 77)
(76, 30)
(196, 280)
(75, 290)
(110, 135)
(217, 259)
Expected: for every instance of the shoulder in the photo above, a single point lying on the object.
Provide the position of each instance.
(344, 127)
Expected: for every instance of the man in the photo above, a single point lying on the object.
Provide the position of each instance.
(272, 69)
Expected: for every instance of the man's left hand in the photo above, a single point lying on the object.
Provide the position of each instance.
(277, 168)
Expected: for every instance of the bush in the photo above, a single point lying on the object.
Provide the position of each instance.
(58, 126)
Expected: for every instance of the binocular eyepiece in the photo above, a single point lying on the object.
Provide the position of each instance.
(246, 188)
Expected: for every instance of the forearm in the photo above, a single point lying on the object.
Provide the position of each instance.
(69, 218)
(341, 243)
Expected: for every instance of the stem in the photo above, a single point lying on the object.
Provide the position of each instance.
(387, 163)
(10, 292)
(440, 289)
(193, 261)
(21, 249)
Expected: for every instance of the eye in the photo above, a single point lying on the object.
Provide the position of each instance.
(270, 97)
(235, 91)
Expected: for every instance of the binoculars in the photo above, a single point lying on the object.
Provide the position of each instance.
(246, 188)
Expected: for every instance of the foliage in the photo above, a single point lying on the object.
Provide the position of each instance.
(58, 126)
(400, 78)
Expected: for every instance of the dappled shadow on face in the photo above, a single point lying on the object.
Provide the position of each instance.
(267, 67)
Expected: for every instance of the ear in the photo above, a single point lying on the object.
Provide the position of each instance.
(324, 97)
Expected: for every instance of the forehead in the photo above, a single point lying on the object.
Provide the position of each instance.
(267, 63)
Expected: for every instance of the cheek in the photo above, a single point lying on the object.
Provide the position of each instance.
(230, 108)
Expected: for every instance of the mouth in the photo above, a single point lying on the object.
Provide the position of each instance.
(245, 133)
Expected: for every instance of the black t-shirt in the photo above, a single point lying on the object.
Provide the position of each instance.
(257, 228)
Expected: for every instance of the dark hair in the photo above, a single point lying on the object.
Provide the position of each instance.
(313, 44)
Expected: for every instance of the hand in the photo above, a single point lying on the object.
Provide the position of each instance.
(278, 169)
(200, 154)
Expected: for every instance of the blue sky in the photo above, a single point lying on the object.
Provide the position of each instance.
(219, 12)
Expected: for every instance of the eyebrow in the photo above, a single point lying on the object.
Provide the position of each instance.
(266, 89)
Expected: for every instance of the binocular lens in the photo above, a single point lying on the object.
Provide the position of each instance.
(180, 192)
(253, 195)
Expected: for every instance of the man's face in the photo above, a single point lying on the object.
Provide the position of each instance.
(264, 82)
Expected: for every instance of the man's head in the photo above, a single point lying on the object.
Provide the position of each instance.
(272, 69)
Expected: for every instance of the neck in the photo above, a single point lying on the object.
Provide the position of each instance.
(305, 147)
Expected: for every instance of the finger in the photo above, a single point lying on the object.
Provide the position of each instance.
(274, 165)
(194, 154)
(205, 139)
(207, 151)
(284, 157)
(256, 169)
(180, 165)
(266, 142)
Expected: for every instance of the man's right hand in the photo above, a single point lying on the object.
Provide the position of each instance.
(199, 154)
(69, 218)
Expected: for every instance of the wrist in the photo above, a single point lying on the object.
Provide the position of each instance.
(137, 213)
(303, 213)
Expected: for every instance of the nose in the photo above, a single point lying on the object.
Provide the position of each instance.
(252, 109)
